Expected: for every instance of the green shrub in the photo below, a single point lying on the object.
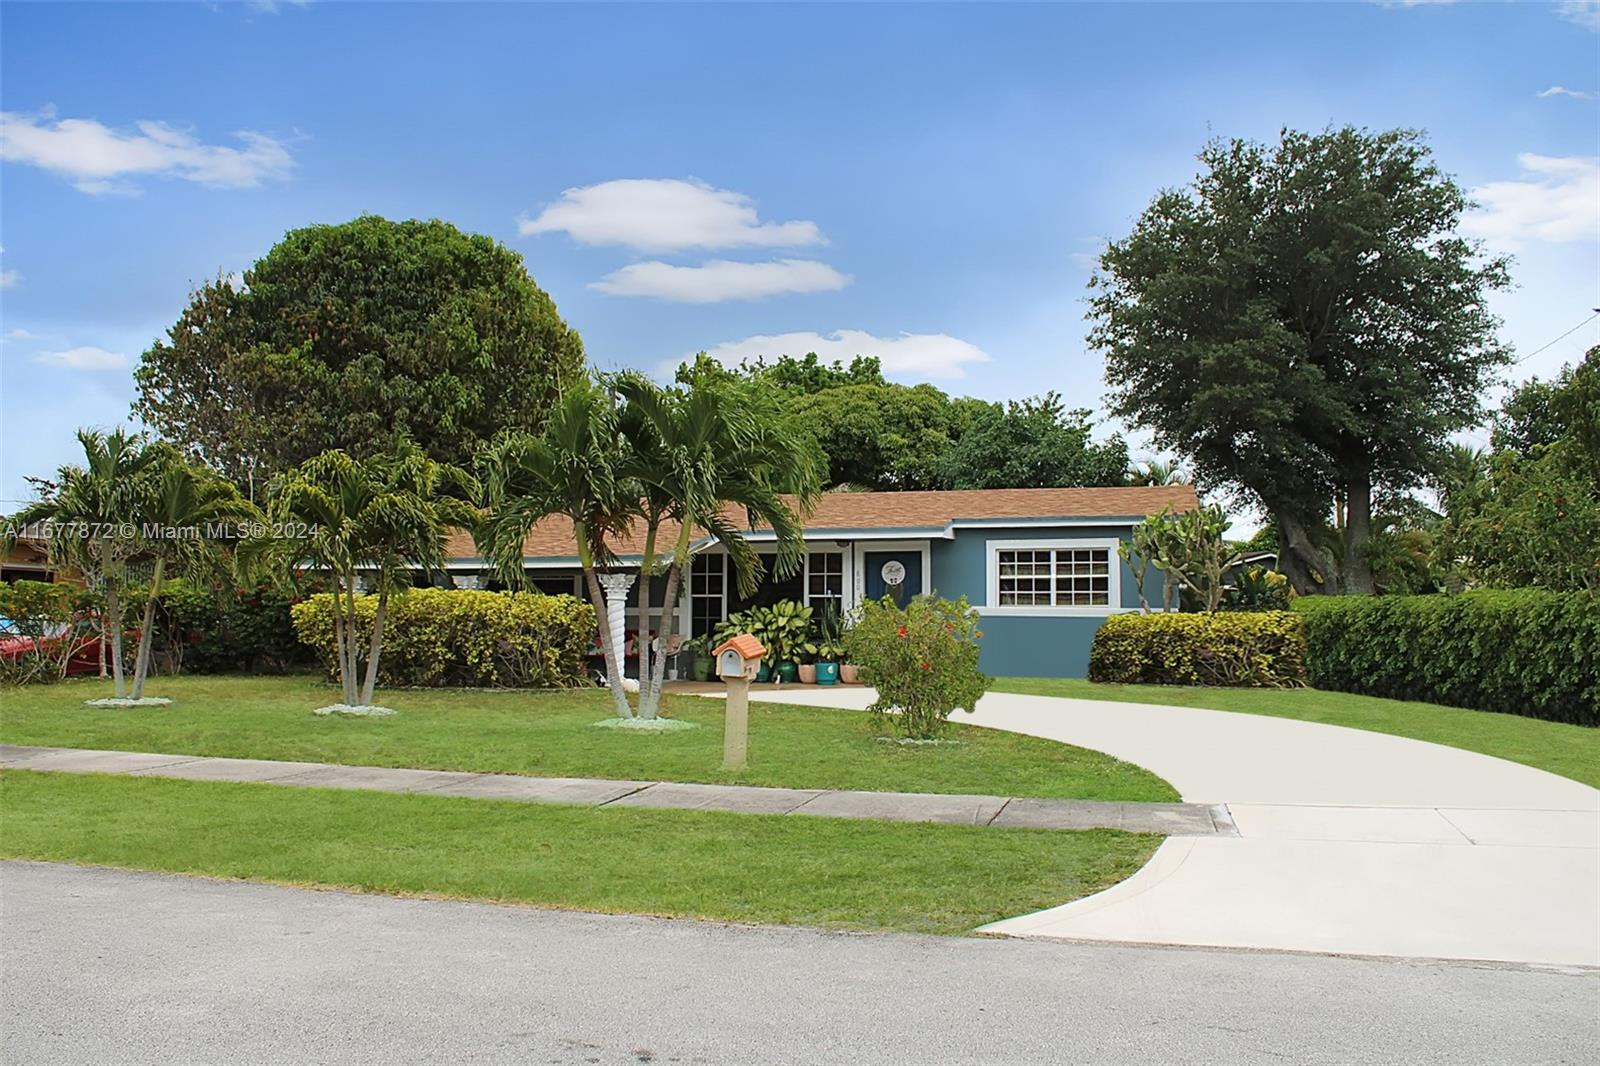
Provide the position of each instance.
(1525, 651)
(457, 637)
(206, 630)
(1235, 648)
(923, 659)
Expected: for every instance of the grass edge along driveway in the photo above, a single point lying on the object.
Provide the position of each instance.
(547, 733)
(822, 872)
(1571, 751)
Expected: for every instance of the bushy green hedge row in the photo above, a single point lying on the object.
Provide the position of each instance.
(1235, 648)
(1524, 651)
(201, 630)
(457, 637)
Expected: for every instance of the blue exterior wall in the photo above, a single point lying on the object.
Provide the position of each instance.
(1027, 645)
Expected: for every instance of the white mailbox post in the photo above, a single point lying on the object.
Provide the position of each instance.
(738, 661)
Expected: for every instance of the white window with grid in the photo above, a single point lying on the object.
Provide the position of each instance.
(825, 581)
(1053, 577)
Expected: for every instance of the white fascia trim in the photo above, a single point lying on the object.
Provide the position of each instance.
(1063, 520)
(991, 600)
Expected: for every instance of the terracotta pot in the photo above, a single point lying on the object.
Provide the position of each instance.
(850, 673)
(808, 673)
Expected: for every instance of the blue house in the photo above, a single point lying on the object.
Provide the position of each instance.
(1040, 565)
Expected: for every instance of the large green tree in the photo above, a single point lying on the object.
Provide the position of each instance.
(1534, 517)
(355, 337)
(885, 437)
(1305, 327)
(1032, 443)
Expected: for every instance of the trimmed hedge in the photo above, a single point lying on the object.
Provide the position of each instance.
(461, 637)
(1525, 651)
(1236, 648)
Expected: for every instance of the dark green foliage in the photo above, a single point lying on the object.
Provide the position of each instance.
(1033, 443)
(354, 336)
(1303, 326)
(451, 637)
(1524, 651)
(884, 437)
(200, 630)
(1264, 650)
(1532, 515)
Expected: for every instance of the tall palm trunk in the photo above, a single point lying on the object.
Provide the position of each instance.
(338, 634)
(608, 643)
(114, 607)
(376, 646)
(646, 578)
(347, 652)
(141, 664)
(650, 706)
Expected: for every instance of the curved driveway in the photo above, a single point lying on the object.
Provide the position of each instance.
(1349, 842)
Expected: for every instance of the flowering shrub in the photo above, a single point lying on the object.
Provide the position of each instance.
(922, 658)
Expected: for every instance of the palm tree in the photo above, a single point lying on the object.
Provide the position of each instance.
(1156, 472)
(92, 515)
(1460, 477)
(384, 515)
(570, 469)
(704, 457)
(185, 512)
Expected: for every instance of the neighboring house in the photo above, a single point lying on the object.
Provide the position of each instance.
(1040, 565)
(1266, 560)
(28, 559)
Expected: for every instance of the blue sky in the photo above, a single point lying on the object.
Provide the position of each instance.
(928, 183)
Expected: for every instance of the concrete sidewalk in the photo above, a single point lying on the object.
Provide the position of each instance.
(1169, 819)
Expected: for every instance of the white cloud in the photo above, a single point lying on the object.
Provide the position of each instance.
(98, 159)
(10, 279)
(721, 280)
(1562, 90)
(665, 215)
(19, 335)
(1585, 13)
(1557, 200)
(909, 355)
(84, 358)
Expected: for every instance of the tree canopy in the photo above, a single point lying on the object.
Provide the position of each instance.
(356, 337)
(1304, 326)
(1036, 443)
(884, 436)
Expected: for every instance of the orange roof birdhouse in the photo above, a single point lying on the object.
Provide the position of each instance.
(746, 645)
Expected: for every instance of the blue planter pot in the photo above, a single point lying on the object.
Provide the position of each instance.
(827, 673)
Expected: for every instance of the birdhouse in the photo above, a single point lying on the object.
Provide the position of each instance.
(739, 658)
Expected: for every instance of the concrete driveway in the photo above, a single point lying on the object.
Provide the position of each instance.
(104, 966)
(1349, 842)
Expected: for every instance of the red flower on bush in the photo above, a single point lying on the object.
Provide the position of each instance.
(902, 631)
(925, 666)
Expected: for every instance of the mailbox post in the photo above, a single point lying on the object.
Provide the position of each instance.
(738, 660)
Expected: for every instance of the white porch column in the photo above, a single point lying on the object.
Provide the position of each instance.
(616, 588)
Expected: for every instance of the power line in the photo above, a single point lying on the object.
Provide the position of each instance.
(1559, 339)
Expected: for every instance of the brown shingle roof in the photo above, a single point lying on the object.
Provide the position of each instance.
(898, 510)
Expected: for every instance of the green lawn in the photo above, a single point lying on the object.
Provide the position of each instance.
(755, 868)
(547, 733)
(1569, 750)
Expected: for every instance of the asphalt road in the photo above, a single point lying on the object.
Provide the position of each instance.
(115, 967)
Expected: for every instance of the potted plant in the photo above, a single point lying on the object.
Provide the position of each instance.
(787, 637)
(701, 664)
(849, 673)
(807, 667)
(827, 668)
